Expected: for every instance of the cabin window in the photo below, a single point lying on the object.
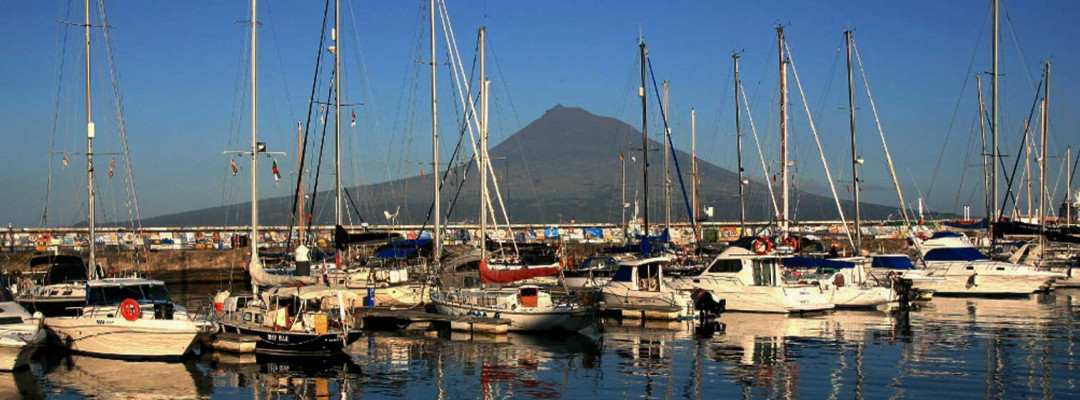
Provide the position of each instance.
(247, 317)
(624, 274)
(969, 268)
(258, 318)
(1000, 268)
(649, 277)
(113, 295)
(726, 266)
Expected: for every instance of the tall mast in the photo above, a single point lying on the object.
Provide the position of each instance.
(738, 146)
(336, 36)
(783, 135)
(986, 173)
(254, 141)
(483, 150)
(854, 153)
(1042, 152)
(1068, 186)
(667, 172)
(994, 121)
(300, 180)
(644, 137)
(89, 149)
(622, 206)
(693, 167)
(1028, 140)
(435, 235)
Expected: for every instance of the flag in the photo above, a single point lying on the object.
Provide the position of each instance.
(633, 157)
(774, 178)
(322, 114)
(622, 157)
(112, 164)
(353, 123)
(232, 163)
(65, 160)
(421, 174)
(277, 174)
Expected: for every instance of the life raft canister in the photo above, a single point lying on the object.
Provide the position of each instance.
(129, 308)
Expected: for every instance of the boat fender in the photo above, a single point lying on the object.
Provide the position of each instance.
(762, 245)
(130, 309)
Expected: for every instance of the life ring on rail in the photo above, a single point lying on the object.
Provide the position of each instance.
(44, 239)
(792, 243)
(762, 245)
(922, 236)
(130, 309)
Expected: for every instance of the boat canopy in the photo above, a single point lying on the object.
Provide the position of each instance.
(947, 234)
(807, 262)
(898, 261)
(954, 254)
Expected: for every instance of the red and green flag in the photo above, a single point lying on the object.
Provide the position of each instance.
(277, 174)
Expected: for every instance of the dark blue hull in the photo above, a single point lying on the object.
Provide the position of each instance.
(295, 343)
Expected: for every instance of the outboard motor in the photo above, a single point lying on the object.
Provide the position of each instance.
(905, 293)
(706, 303)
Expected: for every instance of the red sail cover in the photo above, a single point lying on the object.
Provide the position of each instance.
(488, 275)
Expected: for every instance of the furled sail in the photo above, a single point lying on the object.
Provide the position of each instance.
(513, 274)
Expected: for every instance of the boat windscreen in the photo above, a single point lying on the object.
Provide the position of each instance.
(113, 295)
(954, 254)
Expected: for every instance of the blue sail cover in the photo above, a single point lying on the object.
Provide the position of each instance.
(807, 262)
(972, 225)
(892, 262)
(954, 254)
(396, 252)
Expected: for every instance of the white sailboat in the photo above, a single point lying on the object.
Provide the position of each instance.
(121, 317)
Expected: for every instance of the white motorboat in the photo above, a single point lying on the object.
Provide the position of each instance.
(528, 308)
(641, 283)
(20, 333)
(60, 291)
(593, 273)
(754, 283)
(846, 282)
(967, 271)
(127, 318)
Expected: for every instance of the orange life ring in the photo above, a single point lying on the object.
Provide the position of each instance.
(762, 245)
(922, 236)
(792, 243)
(130, 309)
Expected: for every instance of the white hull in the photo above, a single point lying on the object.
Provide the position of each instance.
(117, 337)
(861, 297)
(568, 319)
(985, 278)
(581, 282)
(761, 299)
(619, 295)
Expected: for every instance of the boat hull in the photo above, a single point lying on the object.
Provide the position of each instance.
(120, 338)
(570, 319)
(54, 306)
(861, 297)
(618, 295)
(295, 343)
(981, 279)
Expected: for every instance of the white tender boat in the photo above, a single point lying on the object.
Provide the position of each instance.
(528, 308)
(641, 284)
(127, 318)
(60, 291)
(20, 333)
(753, 283)
(966, 271)
(846, 281)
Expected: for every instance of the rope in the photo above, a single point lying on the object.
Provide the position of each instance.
(671, 145)
(761, 155)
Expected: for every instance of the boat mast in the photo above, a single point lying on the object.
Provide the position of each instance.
(693, 167)
(1042, 152)
(783, 134)
(1068, 186)
(300, 180)
(982, 131)
(667, 171)
(483, 150)
(738, 146)
(644, 136)
(90, 133)
(435, 236)
(254, 141)
(622, 206)
(337, 112)
(994, 120)
(855, 161)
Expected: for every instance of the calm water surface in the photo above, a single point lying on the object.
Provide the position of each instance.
(949, 348)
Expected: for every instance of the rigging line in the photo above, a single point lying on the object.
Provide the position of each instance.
(761, 156)
(1019, 47)
(667, 137)
(322, 143)
(1023, 139)
(817, 140)
(517, 120)
(307, 129)
(277, 48)
(118, 109)
(967, 161)
(353, 202)
(956, 108)
(58, 71)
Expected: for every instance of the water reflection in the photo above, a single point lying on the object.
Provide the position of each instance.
(949, 347)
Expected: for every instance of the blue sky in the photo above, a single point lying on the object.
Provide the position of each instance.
(181, 70)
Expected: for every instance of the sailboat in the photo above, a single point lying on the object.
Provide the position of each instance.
(527, 307)
(296, 315)
(20, 332)
(121, 317)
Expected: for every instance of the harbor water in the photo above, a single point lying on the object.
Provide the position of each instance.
(947, 348)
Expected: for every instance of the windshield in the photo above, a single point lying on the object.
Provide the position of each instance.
(112, 295)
